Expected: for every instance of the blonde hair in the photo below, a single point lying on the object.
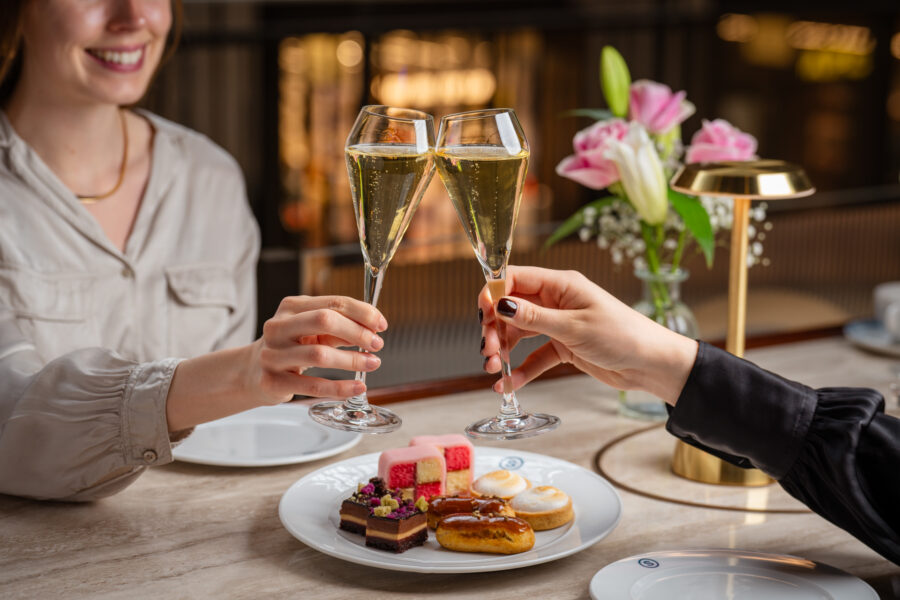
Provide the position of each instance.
(12, 24)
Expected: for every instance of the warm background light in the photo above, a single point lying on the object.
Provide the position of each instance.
(737, 28)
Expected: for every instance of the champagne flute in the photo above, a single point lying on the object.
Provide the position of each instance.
(390, 162)
(482, 157)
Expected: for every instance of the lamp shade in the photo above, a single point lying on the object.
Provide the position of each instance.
(765, 179)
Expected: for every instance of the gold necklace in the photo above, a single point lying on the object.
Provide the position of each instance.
(93, 199)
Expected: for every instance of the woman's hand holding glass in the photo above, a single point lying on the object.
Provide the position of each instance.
(587, 327)
(304, 332)
(311, 331)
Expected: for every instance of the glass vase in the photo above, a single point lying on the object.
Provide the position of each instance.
(661, 301)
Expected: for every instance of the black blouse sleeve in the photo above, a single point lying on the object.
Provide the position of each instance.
(833, 449)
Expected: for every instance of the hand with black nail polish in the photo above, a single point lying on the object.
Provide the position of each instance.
(587, 327)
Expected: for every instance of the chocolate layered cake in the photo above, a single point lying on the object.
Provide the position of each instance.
(397, 525)
(355, 509)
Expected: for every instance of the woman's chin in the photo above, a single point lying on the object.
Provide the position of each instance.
(120, 95)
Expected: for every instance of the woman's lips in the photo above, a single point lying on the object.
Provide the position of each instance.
(122, 60)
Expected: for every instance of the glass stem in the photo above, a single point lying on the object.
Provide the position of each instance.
(374, 279)
(509, 407)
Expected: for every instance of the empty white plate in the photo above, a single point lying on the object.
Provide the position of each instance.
(264, 437)
(724, 575)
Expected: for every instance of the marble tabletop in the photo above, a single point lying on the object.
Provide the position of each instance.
(192, 531)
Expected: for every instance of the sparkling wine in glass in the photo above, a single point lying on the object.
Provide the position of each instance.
(390, 162)
(482, 158)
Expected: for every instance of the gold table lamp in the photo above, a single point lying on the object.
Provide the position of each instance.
(742, 181)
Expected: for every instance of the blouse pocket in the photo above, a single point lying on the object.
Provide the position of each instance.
(203, 297)
(51, 309)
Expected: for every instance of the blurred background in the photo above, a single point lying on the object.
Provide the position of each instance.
(278, 85)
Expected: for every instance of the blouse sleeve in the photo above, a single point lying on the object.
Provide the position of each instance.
(833, 449)
(80, 427)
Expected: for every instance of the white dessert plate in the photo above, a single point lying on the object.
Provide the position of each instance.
(266, 436)
(724, 575)
(871, 335)
(309, 511)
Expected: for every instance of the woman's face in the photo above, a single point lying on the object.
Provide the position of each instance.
(102, 51)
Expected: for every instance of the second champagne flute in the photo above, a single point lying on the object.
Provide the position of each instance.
(390, 162)
(482, 157)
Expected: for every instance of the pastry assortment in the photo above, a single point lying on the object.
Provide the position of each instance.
(429, 484)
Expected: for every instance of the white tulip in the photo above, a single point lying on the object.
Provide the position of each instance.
(641, 173)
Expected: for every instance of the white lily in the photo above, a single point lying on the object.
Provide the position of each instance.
(641, 173)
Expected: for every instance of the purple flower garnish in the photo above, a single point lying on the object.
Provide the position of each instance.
(368, 489)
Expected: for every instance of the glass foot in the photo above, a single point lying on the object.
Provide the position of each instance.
(512, 428)
(342, 415)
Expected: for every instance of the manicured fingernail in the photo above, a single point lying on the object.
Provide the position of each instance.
(507, 307)
(484, 364)
(498, 387)
(483, 341)
(377, 342)
(382, 324)
(480, 315)
(372, 362)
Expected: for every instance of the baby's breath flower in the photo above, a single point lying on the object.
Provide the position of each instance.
(584, 234)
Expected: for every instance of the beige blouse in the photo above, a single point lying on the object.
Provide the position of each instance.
(90, 336)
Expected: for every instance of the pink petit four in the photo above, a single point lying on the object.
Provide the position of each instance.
(416, 470)
(459, 456)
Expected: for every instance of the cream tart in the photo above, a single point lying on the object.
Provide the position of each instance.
(543, 507)
(500, 484)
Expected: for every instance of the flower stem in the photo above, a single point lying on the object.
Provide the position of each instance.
(679, 250)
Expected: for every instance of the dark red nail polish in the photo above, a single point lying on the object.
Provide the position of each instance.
(480, 315)
(483, 341)
(484, 363)
(507, 307)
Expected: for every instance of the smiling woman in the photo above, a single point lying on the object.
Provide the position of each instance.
(128, 263)
(131, 57)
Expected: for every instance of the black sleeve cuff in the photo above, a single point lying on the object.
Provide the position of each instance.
(742, 413)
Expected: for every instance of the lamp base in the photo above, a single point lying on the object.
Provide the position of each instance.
(695, 464)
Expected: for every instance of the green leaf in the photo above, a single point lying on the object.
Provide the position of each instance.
(615, 80)
(576, 221)
(696, 220)
(598, 114)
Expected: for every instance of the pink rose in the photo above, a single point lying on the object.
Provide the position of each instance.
(588, 166)
(654, 106)
(719, 140)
